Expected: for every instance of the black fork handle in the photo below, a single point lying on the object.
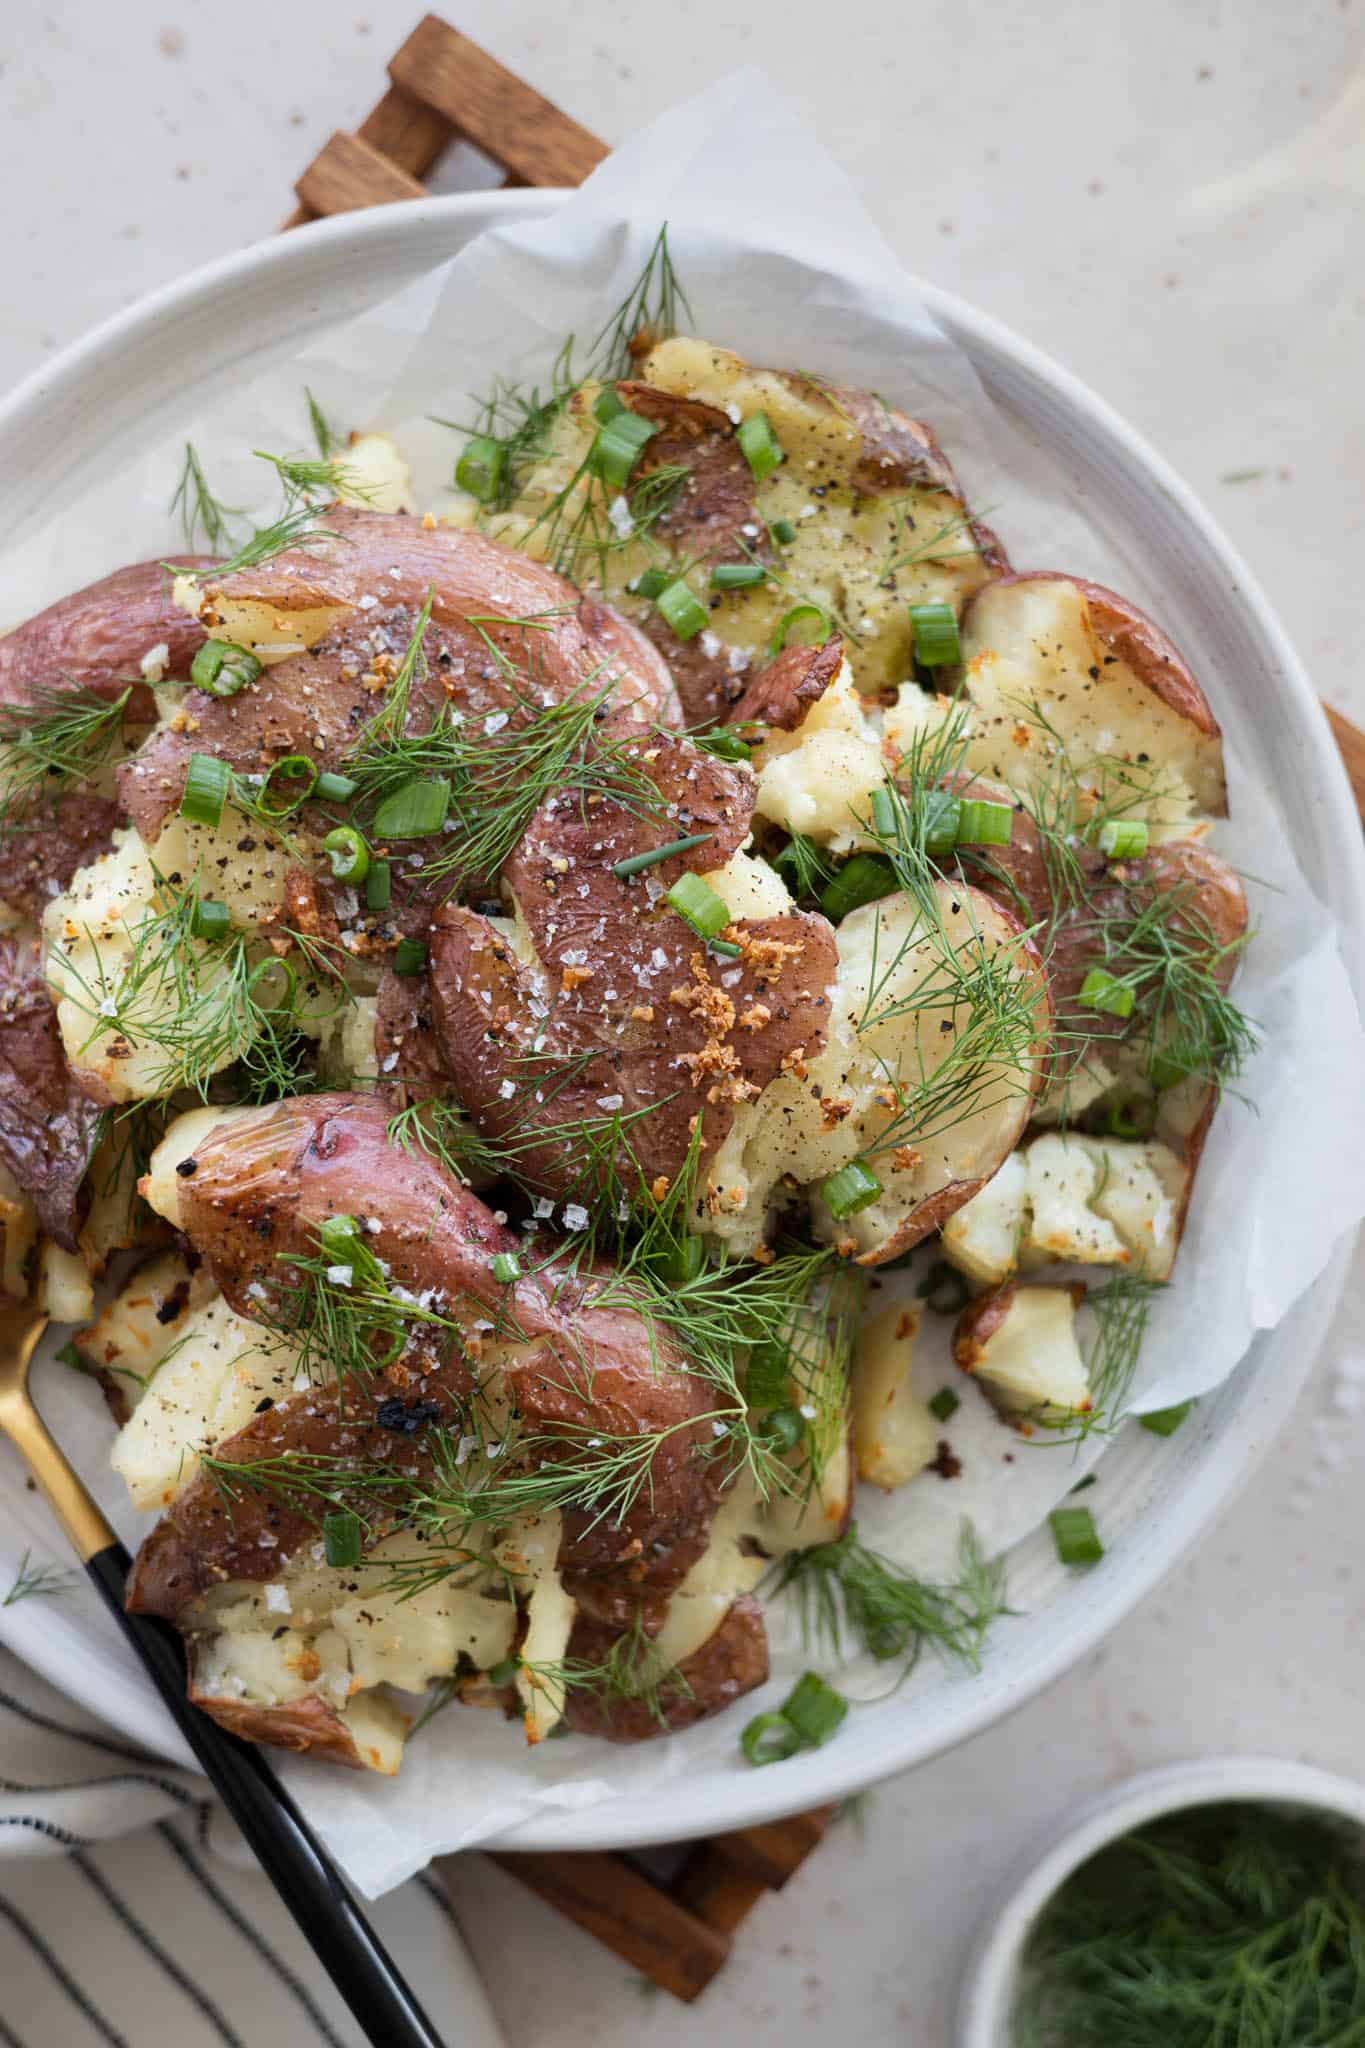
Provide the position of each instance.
(288, 1851)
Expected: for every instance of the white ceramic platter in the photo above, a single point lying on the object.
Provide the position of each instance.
(141, 375)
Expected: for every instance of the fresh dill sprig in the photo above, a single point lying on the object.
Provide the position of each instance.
(324, 433)
(202, 1006)
(632, 1670)
(61, 737)
(1224, 1926)
(931, 549)
(845, 1591)
(296, 527)
(309, 476)
(38, 1580)
(646, 316)
(202, 515)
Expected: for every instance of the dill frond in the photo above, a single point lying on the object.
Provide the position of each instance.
(36, 1580)
(202, 515)
(62, 737)
(847, 1593)
(324, 433)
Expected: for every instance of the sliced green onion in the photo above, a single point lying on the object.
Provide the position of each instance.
(783, 630)
(726, 746)
(1075, 1535)
(783, 531)
(638, 862)
(864, 879)
(685, 613)
(1102, 990)
(1133, 1118)
(884, 813)
(786, 1427)
(1166, 1421)
(738, 575)
(378, 885)
(1090, 1479)
(209, 920)
(413, 811)
(481, 468)
(942, 817)
(606, 405)
(815, 1709)
(348, 854)
(727, 949)
(409, 957)
(765, 1381)
(342, 1535)
(944, 1290)
(697, 903)
(984, 824)
(335, 789)
(1167, 1071)
(504, 1673)
(275, 797)
(207, 780)
(934, 630)
(69, 1355)
(1123, 839)
(222, 669)
(769, 1739)
(649, 582)
(506, 1268)
(618, 446)
(760, 446)
(339, 1237)
(850, 1189)
(683, 1261)
(944, 1404)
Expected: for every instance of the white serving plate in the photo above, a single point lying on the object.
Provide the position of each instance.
(155, 366)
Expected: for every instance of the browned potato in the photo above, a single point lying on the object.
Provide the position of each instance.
(603, 1002)
(1019, 1344)
(96, 639)
(1109, 683)
(42, 847)
(47, 1127)
(732, 1661)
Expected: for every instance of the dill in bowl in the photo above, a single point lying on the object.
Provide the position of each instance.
(1226, 1926)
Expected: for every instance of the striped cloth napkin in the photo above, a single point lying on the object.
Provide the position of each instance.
(132, 1916)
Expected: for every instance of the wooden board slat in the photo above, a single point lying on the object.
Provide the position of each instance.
(635, 1918)
(1351, 741)
(347, 174)
(494, 109)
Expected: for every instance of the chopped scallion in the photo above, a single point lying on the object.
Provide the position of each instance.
(606, 405)
(206, 789)
(348, 854)
(944, 1290)
(1075, 1535)
(335, 789)
(984, 824)
(378, 885)
(506, 1268)
(418, 808)
(481, 468)
(210, 920)
(815, 1709)
(759, 444)
(1166, 1421)
(765, 1381)
(726, 746)
(864, 879)
(617, 448)
(649, 583)
(1134, 1117)
(289, 782)
(505, 1672)
(638, 862)
(683, 1261)
(850, 1189)
(222, 669)
(942, 817)
(697, 903)
(786, 1427)
(738, 575)
(409, 957)
(943, 1405)
(782, 632)
(783, 532)
(934, 629)
(1123, 839)
(342, 1537)
(769, 1739)
(684, 611)
(1102, 990)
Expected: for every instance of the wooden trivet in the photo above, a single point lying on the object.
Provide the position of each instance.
(445, 89)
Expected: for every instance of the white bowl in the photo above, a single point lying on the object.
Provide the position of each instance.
(988, 1992)
(145, 373)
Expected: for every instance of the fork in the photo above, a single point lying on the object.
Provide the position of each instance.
(290, 1854)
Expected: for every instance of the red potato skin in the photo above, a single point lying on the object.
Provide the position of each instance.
(979, 1322)
(781, 694)
(622, 988)
(478, 657)
(54, 837)
(306, 1726)
(257, 1194)
(95, 639)
(731, 1662)
(47, 1126)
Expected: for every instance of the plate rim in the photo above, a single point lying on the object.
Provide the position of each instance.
(1241, 1420)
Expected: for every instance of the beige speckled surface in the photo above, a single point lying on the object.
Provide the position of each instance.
(1168, 198)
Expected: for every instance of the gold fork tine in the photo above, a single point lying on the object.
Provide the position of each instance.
(21, 1327)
